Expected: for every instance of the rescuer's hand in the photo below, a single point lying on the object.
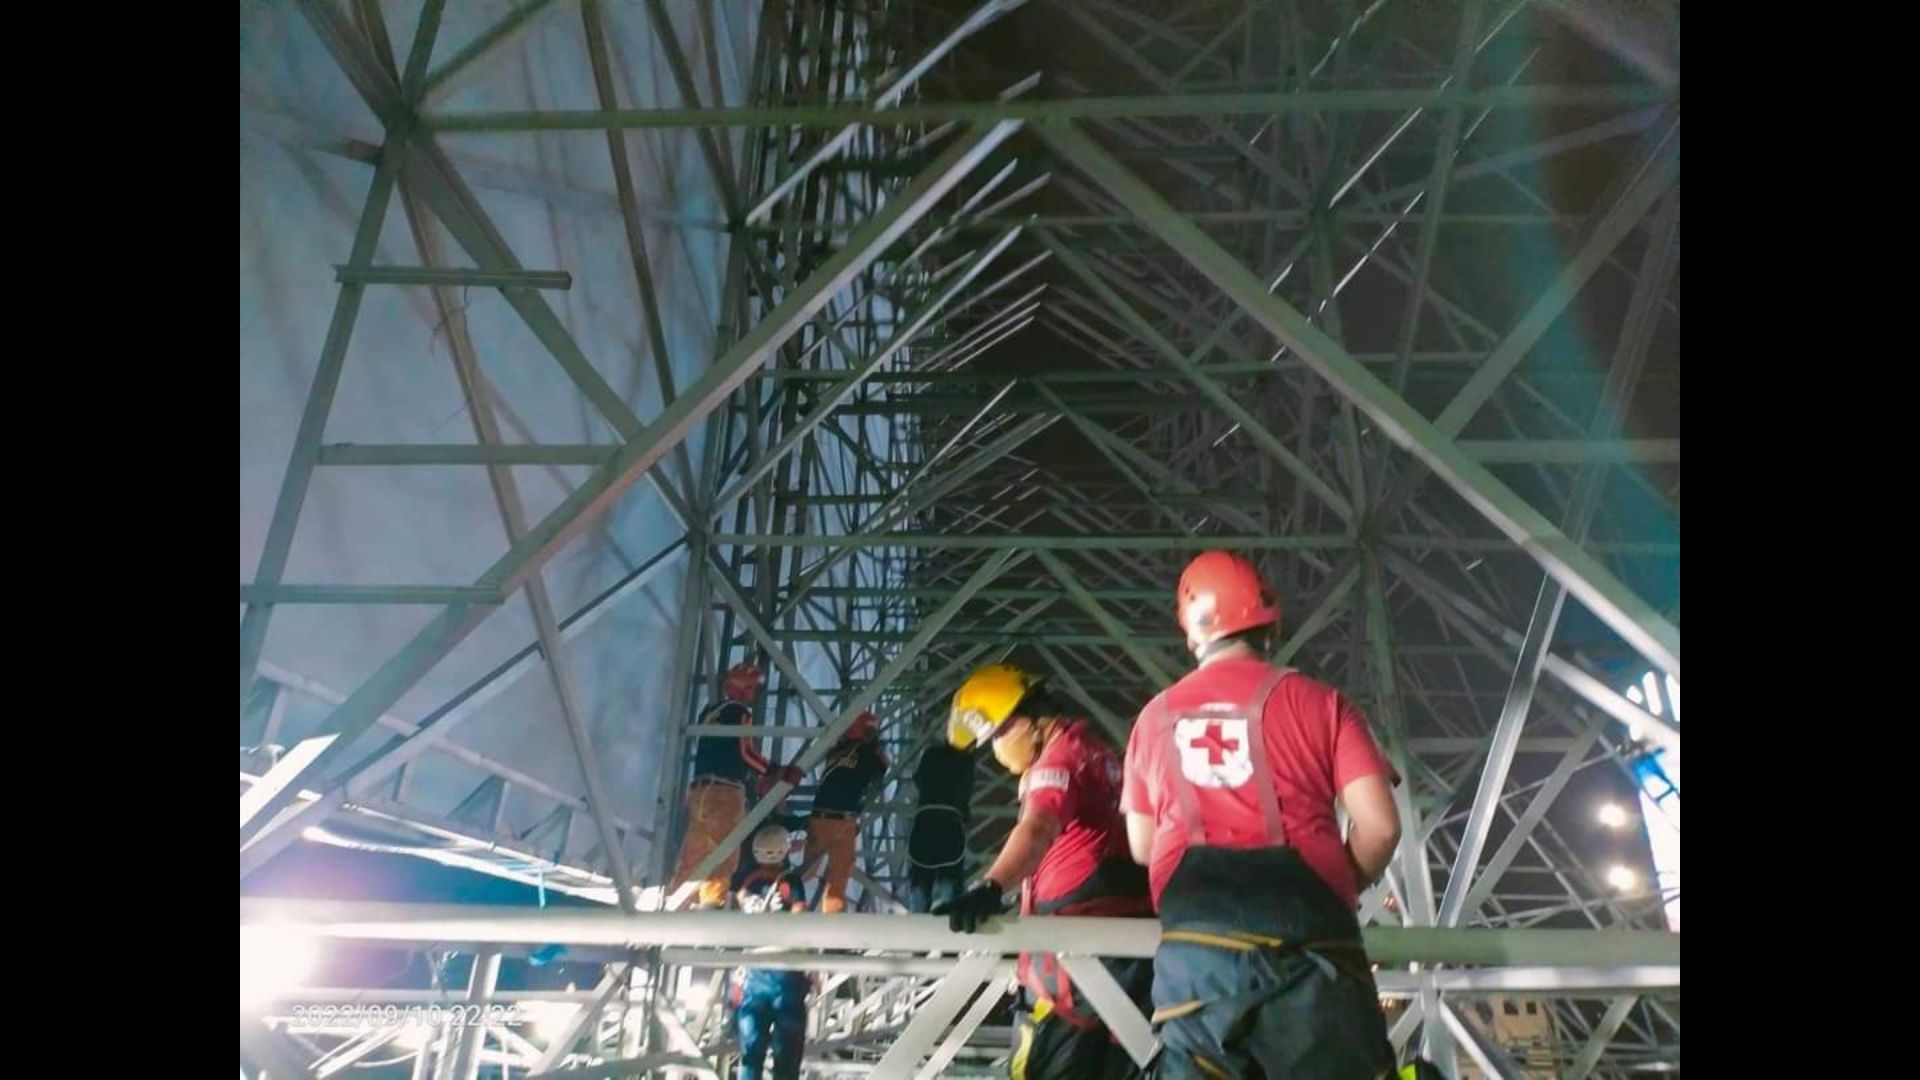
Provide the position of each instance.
(789, 775)
(967, 911)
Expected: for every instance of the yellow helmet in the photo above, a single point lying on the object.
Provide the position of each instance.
(985, 702)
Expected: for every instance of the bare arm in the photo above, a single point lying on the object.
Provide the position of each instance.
(1373, 830)
(1140, 837)
(1026, 845)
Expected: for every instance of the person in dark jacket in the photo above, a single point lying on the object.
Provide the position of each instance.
(833, 831)
(937, 843)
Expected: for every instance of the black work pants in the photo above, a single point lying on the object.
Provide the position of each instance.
(1267, 984)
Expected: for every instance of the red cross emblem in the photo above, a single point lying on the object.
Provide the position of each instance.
(1213, 750)
(1213, 741)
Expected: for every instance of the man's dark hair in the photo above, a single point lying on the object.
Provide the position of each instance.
(1041, 702)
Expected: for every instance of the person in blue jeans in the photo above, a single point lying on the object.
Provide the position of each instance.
(770, 1007)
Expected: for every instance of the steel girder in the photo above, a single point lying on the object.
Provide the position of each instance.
(883, 419)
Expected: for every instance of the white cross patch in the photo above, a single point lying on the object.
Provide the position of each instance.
(1213, 750)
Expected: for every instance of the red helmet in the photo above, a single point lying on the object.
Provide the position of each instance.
(741, 683)
(863, 727)
(1221, 593)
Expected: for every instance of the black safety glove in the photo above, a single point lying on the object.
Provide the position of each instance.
(967, 911)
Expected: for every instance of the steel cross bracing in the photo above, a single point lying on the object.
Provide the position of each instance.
(1241, 275)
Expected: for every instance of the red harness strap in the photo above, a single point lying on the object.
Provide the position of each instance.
(1164, 726)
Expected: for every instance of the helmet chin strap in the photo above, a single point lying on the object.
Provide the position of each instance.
(1219, 645)
(1213, 648)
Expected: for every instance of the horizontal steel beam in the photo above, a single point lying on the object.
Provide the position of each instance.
(1556, 981)
(856, 592)
(435, 275)
(798, 960)
(453, 454)
(758, 731)
(1573, 451)
(1055, 636)
(976, 541)
(485, 924)
(381, 995)
(918, 113)
(370, 594)
(1162, 542)
(1451, 360)
(1283, 218)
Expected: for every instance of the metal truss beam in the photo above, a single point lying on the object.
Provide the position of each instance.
(933, 1016)
(828, 400)
(675, 422)
(313, 420)
(1151, 666)
(492, 925)
(1476, 623)
(1492, 1060)
(1660, 173)
(1593, 584)
(822, 744)
(1212, 390)
(444, 78)
(1603, 1033)
(1122, 1017)
(1162, 105)
(990, 995)
(273, 1050)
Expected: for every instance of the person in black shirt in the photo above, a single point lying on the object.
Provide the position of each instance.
(833, 830)
(937, 843)
(717, 795)
(770, 1007)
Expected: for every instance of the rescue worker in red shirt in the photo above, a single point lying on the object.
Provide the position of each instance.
(1232, 774)
(717, 795)
(1068, 854)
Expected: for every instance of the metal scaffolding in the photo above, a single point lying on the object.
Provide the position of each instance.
(907, 335)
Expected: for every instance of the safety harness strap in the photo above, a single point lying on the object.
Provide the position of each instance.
(1336, 958)
(1164, 725)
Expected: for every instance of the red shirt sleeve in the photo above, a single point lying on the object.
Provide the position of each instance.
(1136, 797)
(1355, 755)
(1050, 783)
(751, 754)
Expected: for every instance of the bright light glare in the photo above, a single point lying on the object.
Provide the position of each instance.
(1652, 686)
(547, 1018)
(1612, 816)
(274, 958)
(1634, 695)
(1673, 695)
(1622, 879)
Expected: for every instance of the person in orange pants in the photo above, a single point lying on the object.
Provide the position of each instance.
(833, 830)
(717, 796)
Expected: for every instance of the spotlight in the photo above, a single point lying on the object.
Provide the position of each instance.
(274, 958)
